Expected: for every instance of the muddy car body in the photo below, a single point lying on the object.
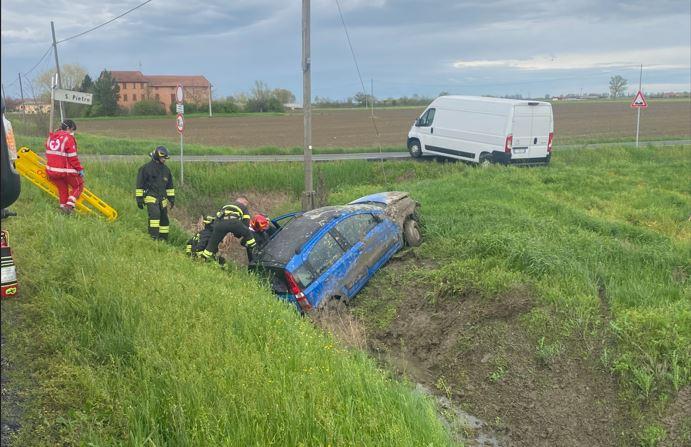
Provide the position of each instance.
(328, 254)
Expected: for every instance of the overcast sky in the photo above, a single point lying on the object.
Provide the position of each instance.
(406, 47)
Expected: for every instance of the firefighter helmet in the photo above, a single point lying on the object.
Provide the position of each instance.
(259, 223)
(160, 153)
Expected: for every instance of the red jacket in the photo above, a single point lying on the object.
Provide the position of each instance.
(61, 155)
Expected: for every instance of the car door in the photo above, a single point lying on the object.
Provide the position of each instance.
(324, 260)
(370, 238)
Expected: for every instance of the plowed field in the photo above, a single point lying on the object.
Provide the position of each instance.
(574, 122)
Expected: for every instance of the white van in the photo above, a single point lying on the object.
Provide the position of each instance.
(478, 129)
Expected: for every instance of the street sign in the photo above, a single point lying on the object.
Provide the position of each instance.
(180, 123)
(179, 108)
(639, 101)
(179, 94)
(70, 96)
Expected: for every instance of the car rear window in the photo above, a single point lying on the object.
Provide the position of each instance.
(287, 242)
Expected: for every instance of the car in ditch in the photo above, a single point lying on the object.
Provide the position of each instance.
(324, 257)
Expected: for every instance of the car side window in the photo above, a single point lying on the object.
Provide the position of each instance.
(427, 118)
(324, 254)
(355, 228)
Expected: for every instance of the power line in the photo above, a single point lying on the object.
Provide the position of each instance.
(50, 48)
(104, 23)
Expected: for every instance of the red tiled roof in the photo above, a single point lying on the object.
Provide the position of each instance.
(128, 76)
(172, 81)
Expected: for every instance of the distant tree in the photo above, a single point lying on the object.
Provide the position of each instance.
(148, 107)
(283, 95)
(72, 75)
(443, 93)
(617, 86)
(262, 99)
(87, 84)
(362, 99)
(106, 93)
(12, 104)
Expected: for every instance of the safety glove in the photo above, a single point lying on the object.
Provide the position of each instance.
(140, 202)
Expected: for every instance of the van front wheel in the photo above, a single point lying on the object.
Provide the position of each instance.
(415, 149)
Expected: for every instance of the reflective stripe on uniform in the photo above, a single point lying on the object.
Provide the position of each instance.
(232, 210)
(245, 216)
(139, 193)
(149, 199)
(170, 192)
(154, 223)
(207, 254)
(67, 170)
(250, 243)
(61, 154)
(208, 219)
(164, 229)
(188, 248)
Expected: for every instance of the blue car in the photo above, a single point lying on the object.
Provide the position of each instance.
(325, 256)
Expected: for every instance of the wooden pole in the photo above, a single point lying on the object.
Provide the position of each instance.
(57, 68)
(308, 194)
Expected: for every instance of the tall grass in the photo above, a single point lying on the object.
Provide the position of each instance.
(138, 345)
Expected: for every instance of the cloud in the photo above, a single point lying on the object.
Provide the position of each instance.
(658, 58)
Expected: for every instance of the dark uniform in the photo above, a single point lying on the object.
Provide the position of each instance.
(155, 190)
(198, 242)
(231, 219)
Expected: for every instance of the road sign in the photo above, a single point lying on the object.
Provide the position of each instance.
(70, 96)
(179, 108)
(179, 94)
(639, 101)
(180, 123)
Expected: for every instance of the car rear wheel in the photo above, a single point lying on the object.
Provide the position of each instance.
(415, 149)
(411, 232)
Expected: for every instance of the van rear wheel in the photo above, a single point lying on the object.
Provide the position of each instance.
(415, 149)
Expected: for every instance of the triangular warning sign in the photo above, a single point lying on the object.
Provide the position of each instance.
(639, 101)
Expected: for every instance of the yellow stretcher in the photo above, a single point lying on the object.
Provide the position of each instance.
(33, 167)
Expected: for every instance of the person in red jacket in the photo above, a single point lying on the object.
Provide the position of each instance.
(63, 167)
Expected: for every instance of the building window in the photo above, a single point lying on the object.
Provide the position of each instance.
(172, 98)
(134, 97)
(124, 97)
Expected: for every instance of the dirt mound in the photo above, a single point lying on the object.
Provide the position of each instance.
(477, 352)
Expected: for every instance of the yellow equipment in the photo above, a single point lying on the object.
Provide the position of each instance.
(33, 167)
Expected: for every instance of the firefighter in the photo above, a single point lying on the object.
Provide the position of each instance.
(155, 190)
(233, 218)
(63, 167)
(198, 242)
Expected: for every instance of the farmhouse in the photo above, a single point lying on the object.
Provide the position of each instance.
(34, 107)
(135, 87)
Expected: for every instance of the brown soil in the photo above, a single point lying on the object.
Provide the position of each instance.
(476, 352)
(354, 128)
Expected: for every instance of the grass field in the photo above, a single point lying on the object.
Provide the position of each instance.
(580, 266)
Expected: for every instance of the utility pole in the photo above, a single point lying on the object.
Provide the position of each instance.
(638, 120)
(210, 113)
(372, 94)
(3, 93)
(57, 68)
(21, 93)
(308, 194)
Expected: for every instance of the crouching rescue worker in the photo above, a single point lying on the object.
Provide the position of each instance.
(63, 167)
(262, 228)
(155, 190)
(196, 245)
(233, 219)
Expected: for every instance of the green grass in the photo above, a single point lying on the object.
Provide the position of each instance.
(139, 342)
(139, 345)
(101, 145)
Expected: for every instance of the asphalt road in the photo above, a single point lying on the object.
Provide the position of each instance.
(337, 157)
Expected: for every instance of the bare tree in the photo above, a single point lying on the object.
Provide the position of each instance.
(617, 86)
(72, 77)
